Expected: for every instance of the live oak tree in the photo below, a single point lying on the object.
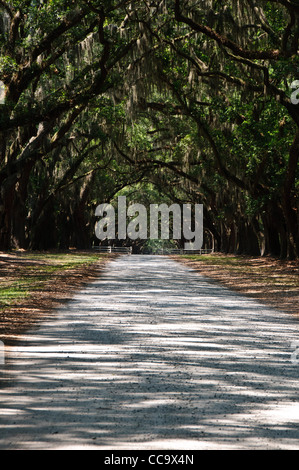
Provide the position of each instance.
(258, 47)
(192, 97)
(57, 58)
(228, 68)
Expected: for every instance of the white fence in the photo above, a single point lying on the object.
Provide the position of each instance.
(114, 249)
(164, 251)
(173, 251)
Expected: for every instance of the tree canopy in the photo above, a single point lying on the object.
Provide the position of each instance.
(177, 101)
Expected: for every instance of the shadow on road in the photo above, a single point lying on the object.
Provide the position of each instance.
(152, 355)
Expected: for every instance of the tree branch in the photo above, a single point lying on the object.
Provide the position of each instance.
(223, 41)
(7, 8)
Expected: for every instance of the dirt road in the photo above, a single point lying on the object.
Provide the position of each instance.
(153, 356)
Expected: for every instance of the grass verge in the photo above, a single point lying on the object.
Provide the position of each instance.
(272, 281)
(32, 285)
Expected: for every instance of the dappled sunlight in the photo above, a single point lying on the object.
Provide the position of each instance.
(170, 362)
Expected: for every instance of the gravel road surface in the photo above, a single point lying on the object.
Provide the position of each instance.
(153, 356)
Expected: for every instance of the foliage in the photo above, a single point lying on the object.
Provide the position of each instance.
(190, 98)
